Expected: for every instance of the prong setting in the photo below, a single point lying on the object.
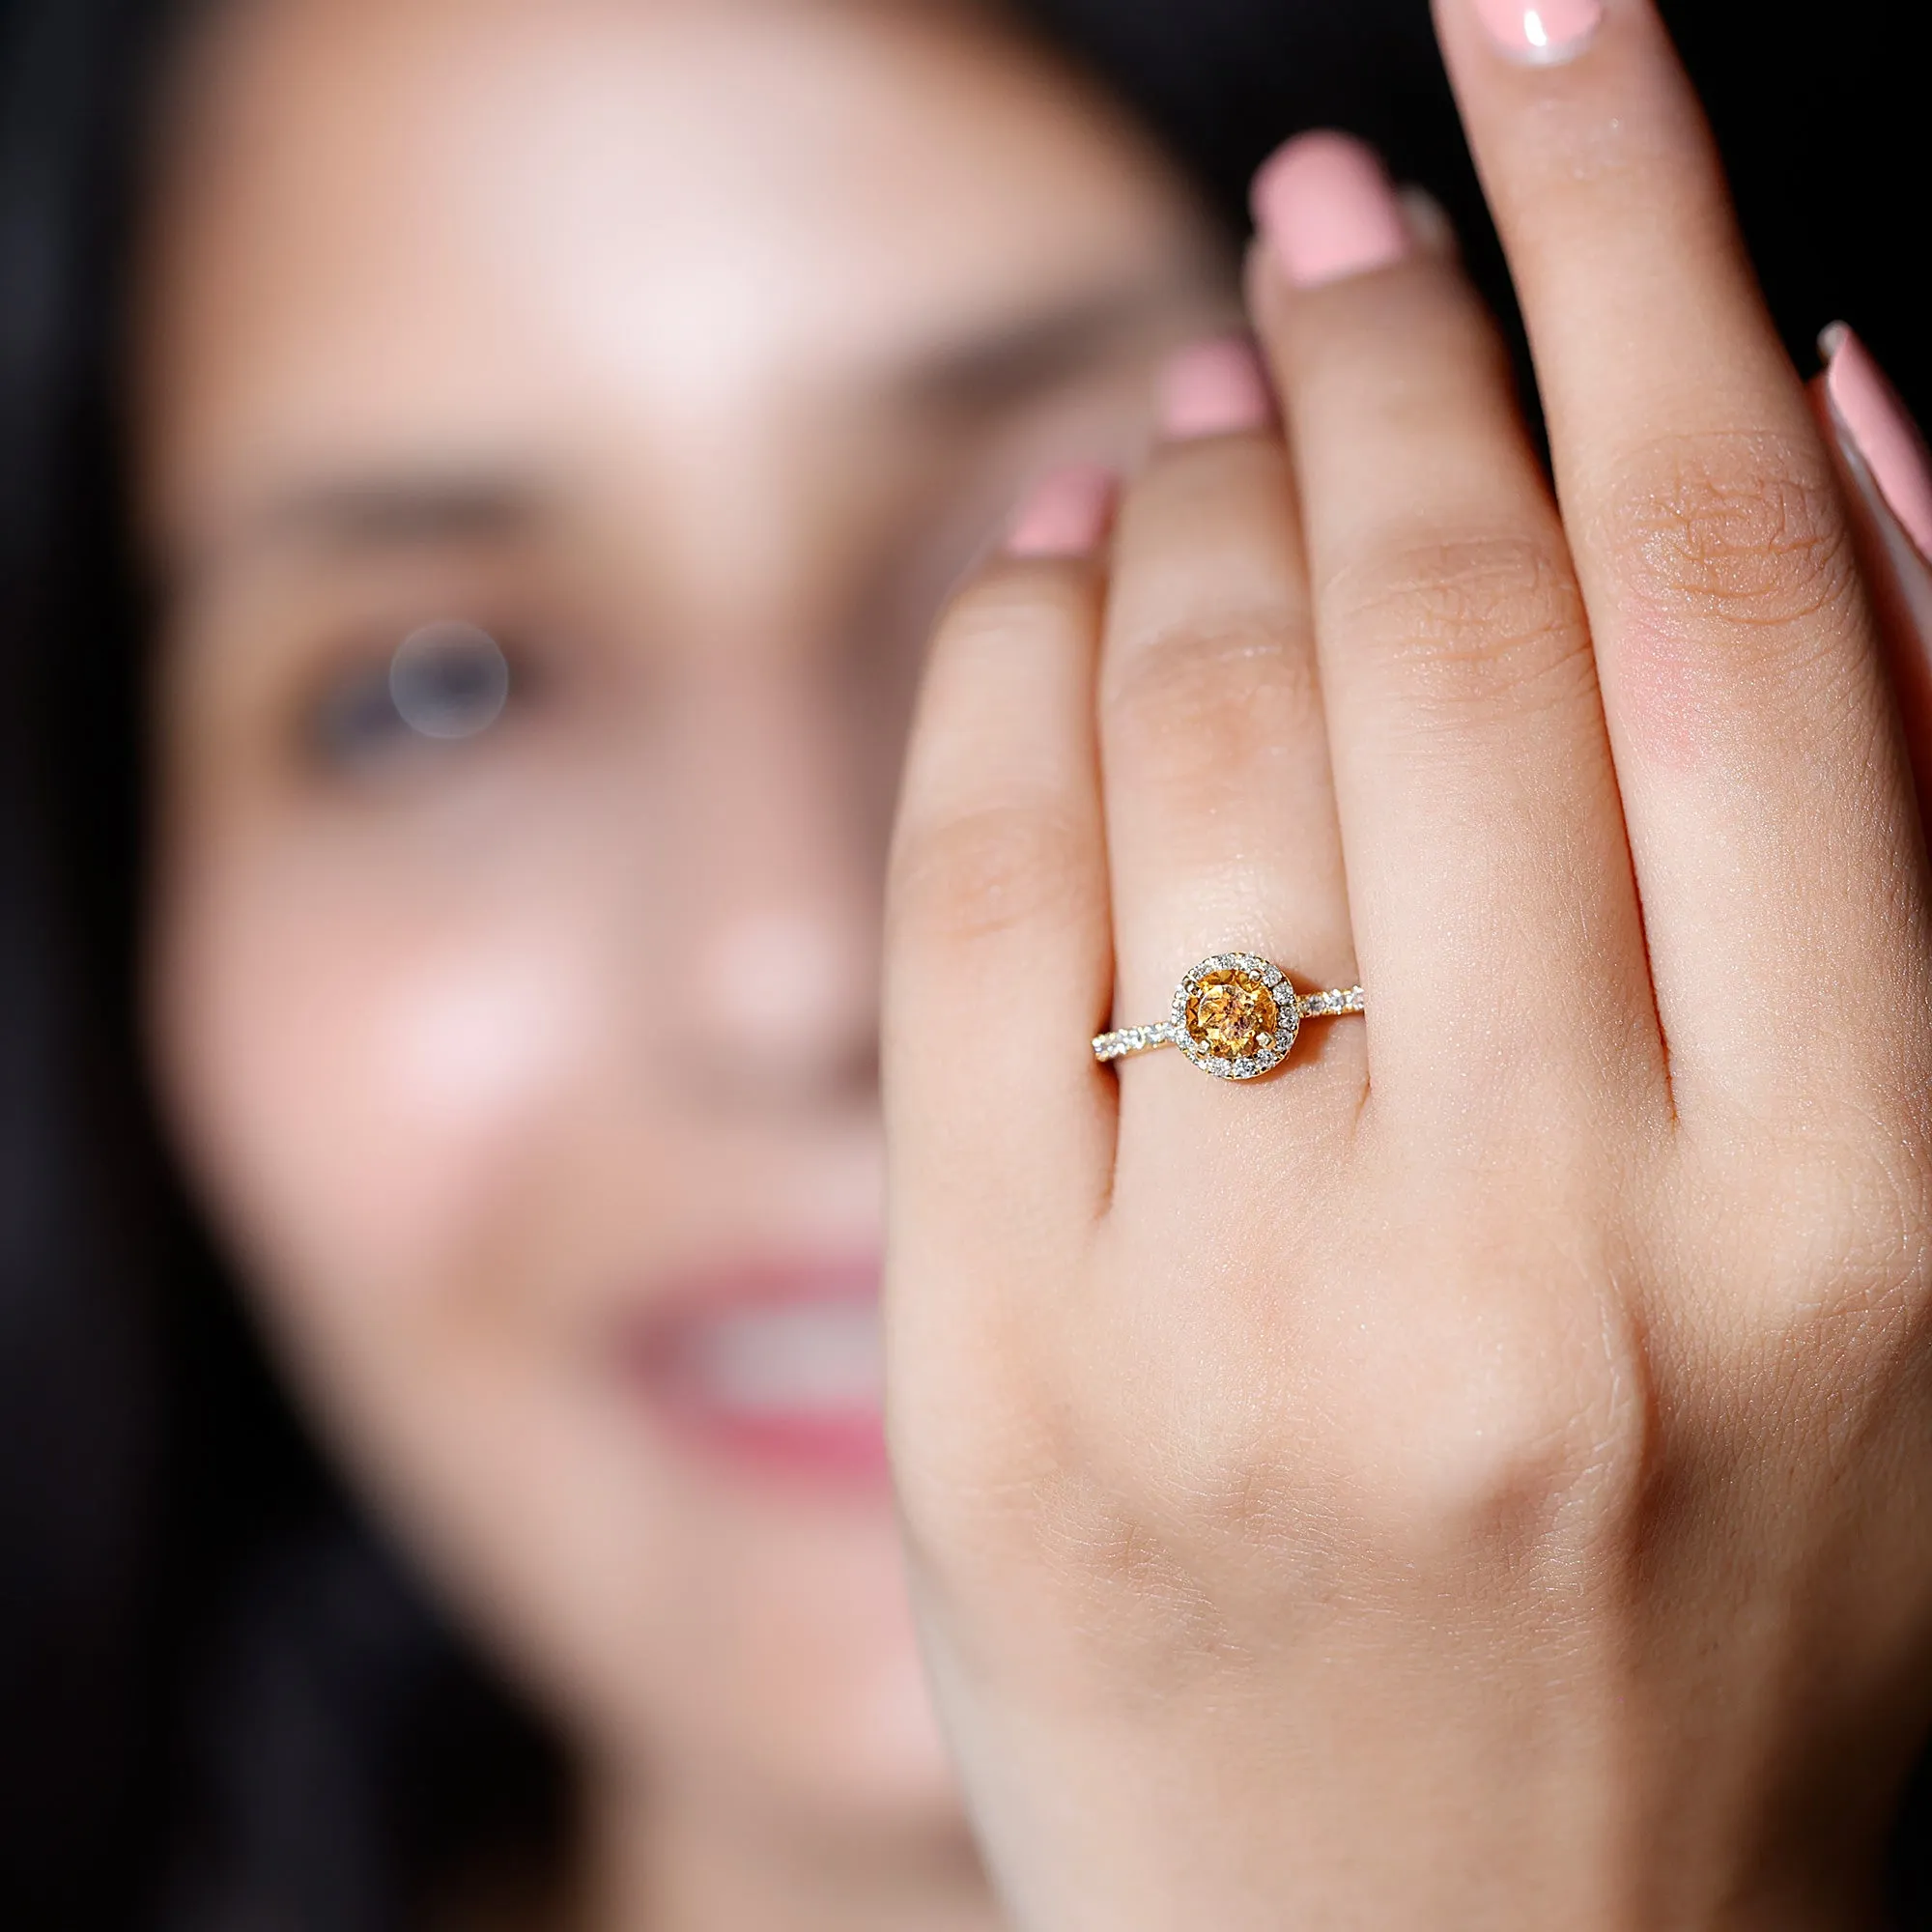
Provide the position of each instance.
(1235, 1015)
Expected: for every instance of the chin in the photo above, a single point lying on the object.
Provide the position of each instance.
(813, 1686)
(746, 1637)
(781, 1654)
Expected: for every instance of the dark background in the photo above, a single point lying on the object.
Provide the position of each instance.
(1822, 111)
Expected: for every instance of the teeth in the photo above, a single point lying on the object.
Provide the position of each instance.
(816, 1359)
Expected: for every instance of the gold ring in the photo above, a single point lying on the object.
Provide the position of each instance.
(1234, 1016)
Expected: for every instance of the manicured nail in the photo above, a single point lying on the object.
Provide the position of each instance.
(1882, 429)
(1541, 31)
(1214, 388)
(1065, 514)
(1430, 227)
(1326, 208)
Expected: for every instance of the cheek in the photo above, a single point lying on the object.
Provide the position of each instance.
(352, 1085)
(375, 1103)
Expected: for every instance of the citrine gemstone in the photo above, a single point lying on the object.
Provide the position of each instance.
(1228, 1012)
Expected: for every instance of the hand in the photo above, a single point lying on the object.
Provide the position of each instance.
(1477, 1475)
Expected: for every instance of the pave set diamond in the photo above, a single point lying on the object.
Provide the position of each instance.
(1234, 1016)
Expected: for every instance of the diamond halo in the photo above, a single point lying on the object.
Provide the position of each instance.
(1235, 1015)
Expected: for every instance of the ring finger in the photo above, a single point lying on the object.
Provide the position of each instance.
(1220, 816)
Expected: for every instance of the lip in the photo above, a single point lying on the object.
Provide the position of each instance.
(770, 1367)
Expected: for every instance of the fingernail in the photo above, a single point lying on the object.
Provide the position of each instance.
(1542, 31)
(1065, 514)
(1882, 431)
(1325, 205)
(1214, 388)
(1430, 227)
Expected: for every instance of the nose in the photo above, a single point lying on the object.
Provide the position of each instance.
(772, 992)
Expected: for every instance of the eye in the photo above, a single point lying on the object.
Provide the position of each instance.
(445, 681)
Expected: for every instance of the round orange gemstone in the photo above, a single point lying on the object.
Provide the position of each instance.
(1228, 1012)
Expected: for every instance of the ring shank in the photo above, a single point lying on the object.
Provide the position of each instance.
(1123, 1041)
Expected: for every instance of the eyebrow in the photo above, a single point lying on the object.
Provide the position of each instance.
(1024, 356)
(395, 511)
(401, 509)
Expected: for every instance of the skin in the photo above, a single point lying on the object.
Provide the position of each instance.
(1476, 1476)
(691, 350)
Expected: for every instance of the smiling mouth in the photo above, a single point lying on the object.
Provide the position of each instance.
(778, 1369)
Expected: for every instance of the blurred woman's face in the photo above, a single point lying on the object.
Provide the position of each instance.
(668, 356)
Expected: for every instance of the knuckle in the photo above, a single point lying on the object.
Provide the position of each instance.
(1194, 706)
(1516, 1447)
(1855, 1230)
(1494, 624)
(1742, 530)
(1512, 1466)
(987, 870)
(1514, 1440)
(1130, 1552)
(1509, 1419)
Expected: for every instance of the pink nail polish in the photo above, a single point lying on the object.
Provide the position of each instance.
(1430, 226)
(1326, 208)
(1542, 31)
(1065, 514)
(1214, 388)
(1882, 429)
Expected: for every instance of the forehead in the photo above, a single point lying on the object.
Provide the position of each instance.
(448, 220)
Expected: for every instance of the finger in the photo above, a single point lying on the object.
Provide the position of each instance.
(1490, 882)
(1764, 785)
(1220, 814)
(998, 948)
(1887, 477)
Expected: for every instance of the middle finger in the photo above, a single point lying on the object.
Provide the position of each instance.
(1757, 746)
(1495, 908)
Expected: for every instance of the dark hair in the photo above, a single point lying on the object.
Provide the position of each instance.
(223, 1703)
